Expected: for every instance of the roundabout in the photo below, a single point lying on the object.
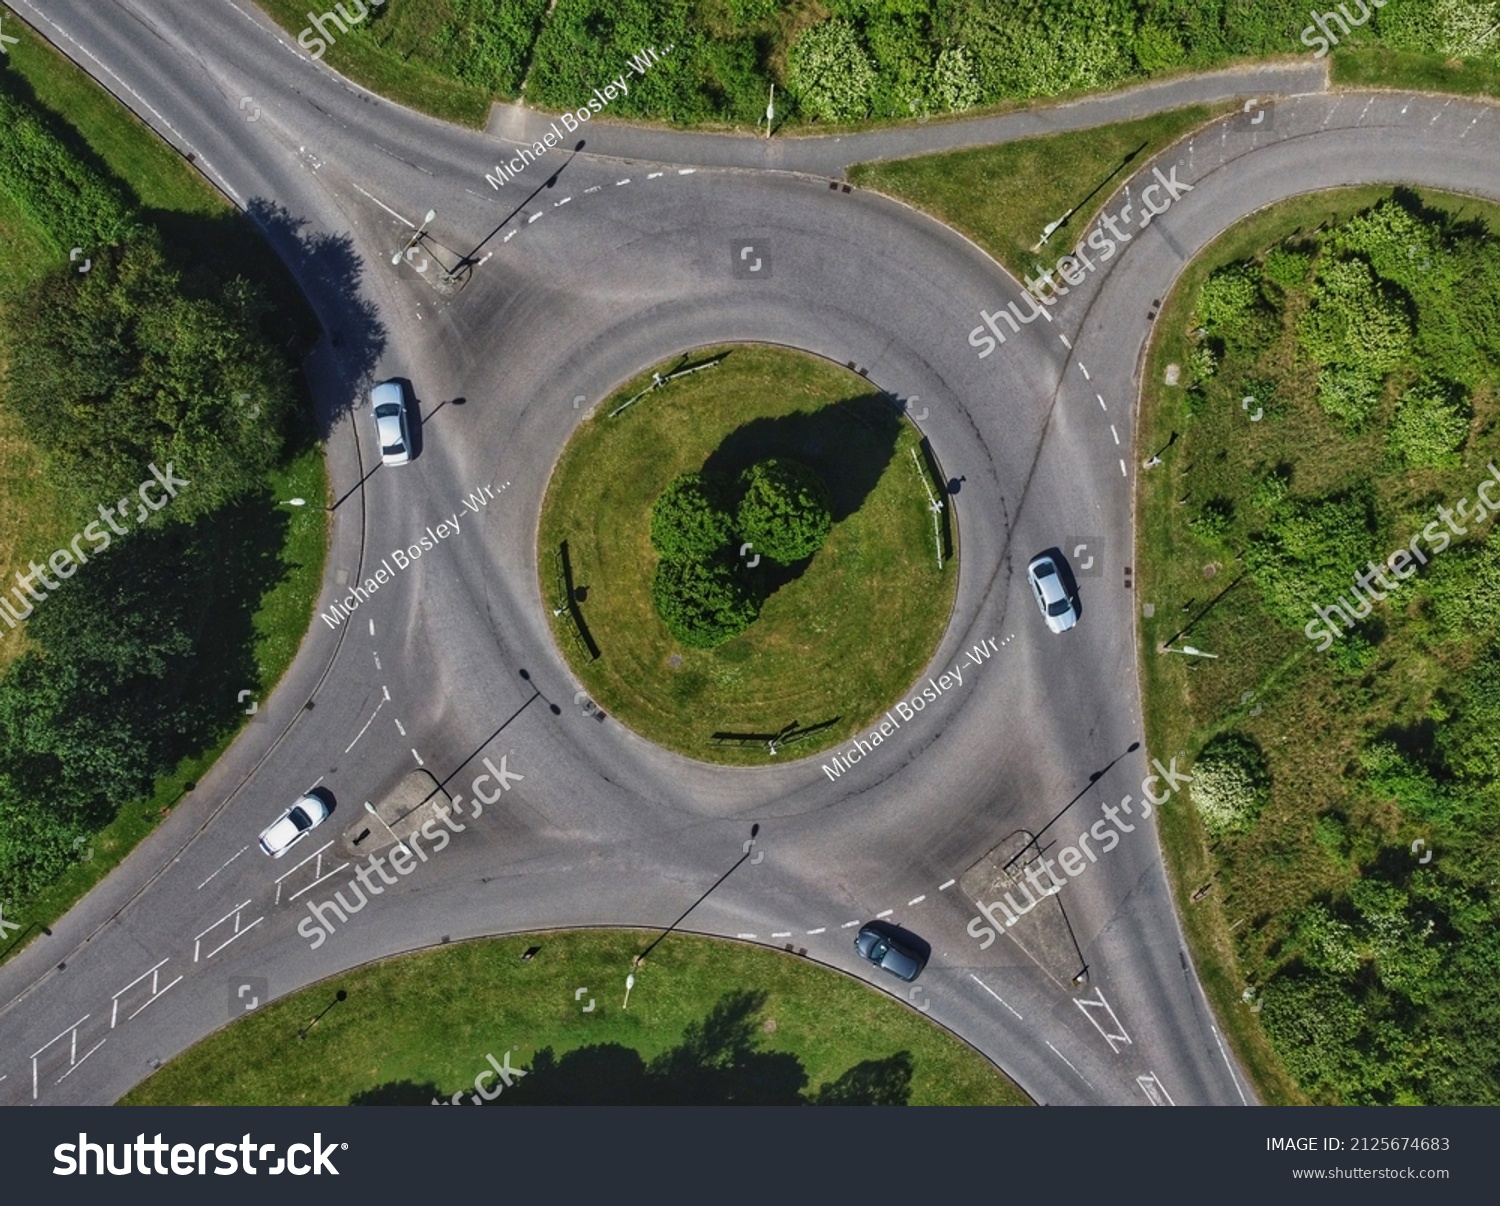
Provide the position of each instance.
(839, 635)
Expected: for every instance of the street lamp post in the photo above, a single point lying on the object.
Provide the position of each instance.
(1189, 650)
(370, 808)
(416, 238)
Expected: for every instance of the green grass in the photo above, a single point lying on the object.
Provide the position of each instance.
(786, 1027)
(1371, 67)
(842, 641)
(393, 64)
(1004, 197)
(1310, 724)
(38, 515)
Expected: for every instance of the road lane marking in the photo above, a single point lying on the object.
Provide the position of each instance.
(744, 935)
(819, 930)
(417, 756)
(1086, 1004)
(595, 189)
(686, 171)
(564, 201)
(624, 181)
(1085, 373)
(946, 886)
(994, 994)
(318, 875)
(916, 901)
(847, 924)
(1235, 1080)
(1064, 338)
(400, 728)
(654, 175)
(886, 913)
(539, 213)
(1114, 433)
(368, 723)
(1123, 471)
(1146, 1083)
(155, 974)
(238, 931)
(227, 861)
(783, 934)
(1065, 1060)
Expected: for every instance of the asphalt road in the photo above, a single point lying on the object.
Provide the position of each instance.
(584, 277)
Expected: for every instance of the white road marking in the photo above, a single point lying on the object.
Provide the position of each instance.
(947, 885)
(372, 625)
(595, 189)
(1064, 338)
(1065, 1060)
(1101, 401)
(686, 171)
(235, 913)
(744, 935)
(378, 666)
(154, 973)
(847, 924)
(509, 235)
(1233, 1078)
(994, 994)
(368, 723)
(1123, 471)
(654, 175)
(1114, 433)
(819, 930)
(1085, 373)
(317, 872)
(535, 216)
(624, 181)
(385, 692)
(1146, 1083)
(564, 201)
(400, 728)
(417, 756)
(1087, 1005)
(916, 901)
(227, 861)
(886, 913)
(783, 934)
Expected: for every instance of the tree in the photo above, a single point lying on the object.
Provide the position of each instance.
(785, 510)
(1230, 783)
(702, 603)
(688, 520)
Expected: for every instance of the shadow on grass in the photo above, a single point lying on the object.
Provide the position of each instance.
(718, 1062)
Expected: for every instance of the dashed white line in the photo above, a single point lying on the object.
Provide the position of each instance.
(400, 728)
(1065, 1060)
(819, 930)
(1114, 433)
(847, 924)
(1123, 471)
(624, 181)
(1085, 373)
(918, 900)
(231, 859)
(1101, 401)
(783, 934)
(509, 235)
(1064, 338)
(377, 660)
(595, 189)
(686, 171)
(418, 757)
(744, 935)
(947, 885)
(368, 723)
(385, 691)
(372, 625)
(654, 175)
(994, 994)
(535, 216)
(564, 201)
(886, 913)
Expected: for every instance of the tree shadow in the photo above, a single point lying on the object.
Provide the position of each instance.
(848, 444)
(879, 1082)
(398, 1093)
(718, 1062)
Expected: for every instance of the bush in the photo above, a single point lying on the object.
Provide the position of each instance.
(830, 74)
(1431, 424)
(1227, 297)
(1286, 269)
(1348, 395)
(688, 520)
(702, 603)
(1354, 319)
(785, 511)
(1213, 518)
(1230, 783)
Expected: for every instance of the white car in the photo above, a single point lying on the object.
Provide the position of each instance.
(1058, 609)
(388, 404)
(293, 825)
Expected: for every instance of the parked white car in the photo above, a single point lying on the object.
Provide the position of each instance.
(293, 825)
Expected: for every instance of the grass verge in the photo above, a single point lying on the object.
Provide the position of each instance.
(1372, 67)
(1004, 197)
(709, 1022)
(1266, 681)
(838, 643)
(38, 514)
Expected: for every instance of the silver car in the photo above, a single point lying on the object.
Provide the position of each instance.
(388, 404)
(293, 825)
(1058, 608)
